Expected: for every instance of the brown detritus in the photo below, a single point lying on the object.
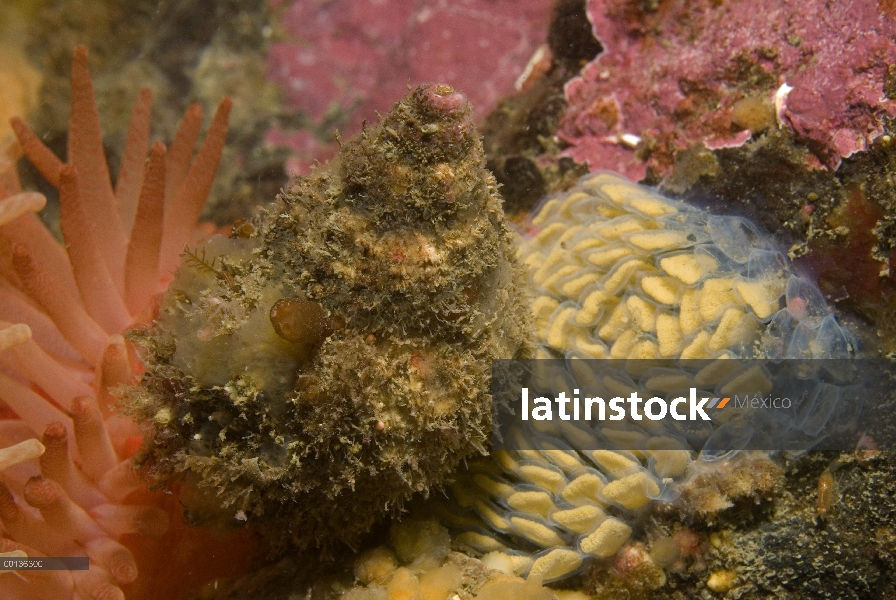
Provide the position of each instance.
(792, 554)
(691, 164)
(843, 265)
(520, 179)
(745, 478)
(632, 574)
(867, 451)
(764, 179)
(890, 82)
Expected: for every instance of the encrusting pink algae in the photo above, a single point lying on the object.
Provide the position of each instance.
(715, 73)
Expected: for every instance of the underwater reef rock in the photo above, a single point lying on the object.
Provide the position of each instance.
(836, 224)
(357, 55)
(333, 358)
(342, 61)
(519, 135)
(793, 554)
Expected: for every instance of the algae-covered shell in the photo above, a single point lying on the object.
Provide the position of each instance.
(338, 361)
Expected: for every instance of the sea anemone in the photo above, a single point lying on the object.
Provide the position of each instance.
(66, 474)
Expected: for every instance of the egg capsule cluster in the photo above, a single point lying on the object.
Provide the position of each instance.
(539, 519)
(619, 272)
(622, 272)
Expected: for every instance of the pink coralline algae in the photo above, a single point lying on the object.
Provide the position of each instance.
(352, 58)
(674, 77)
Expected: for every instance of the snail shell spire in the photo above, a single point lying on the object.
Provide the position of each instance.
(334, 357)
